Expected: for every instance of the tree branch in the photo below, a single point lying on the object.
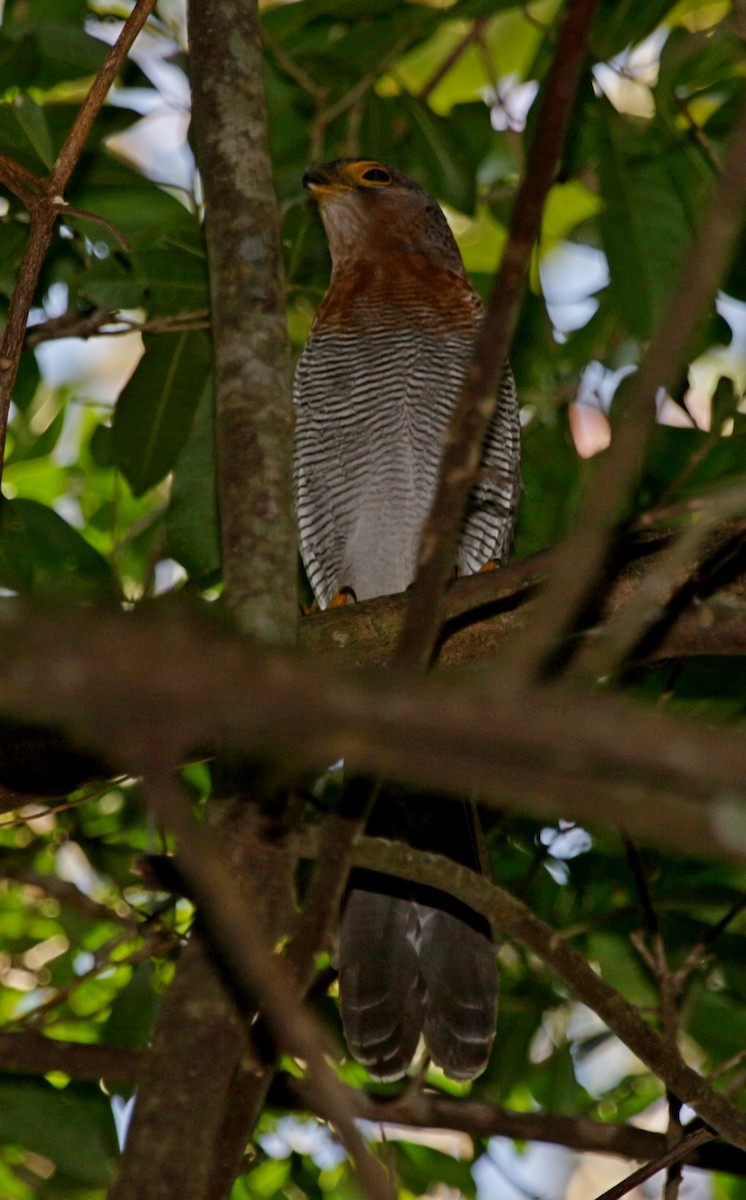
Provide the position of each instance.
(262, 978)
(675, 1154)
(29, 1053)
(203, 1144)
(254, 412)
(478, 399)
(555, 751)
(482, 612)
(100, 322)
(426, 1109)
(253, 422)
(513, 919)
(579, 565)
(603, 654)
(49, 203)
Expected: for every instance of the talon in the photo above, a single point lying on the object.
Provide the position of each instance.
(344, 596)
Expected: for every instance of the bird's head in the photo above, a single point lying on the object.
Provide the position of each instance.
(369, 208)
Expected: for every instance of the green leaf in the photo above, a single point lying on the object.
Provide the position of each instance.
(33, 122)
(69, 11)
(554, 1086)
(269, 1178)
(620, 966)
(506, 46)
(694, 63)
(133, 1012)
(718, 1023)
(27, 381)
(154, 414)
(622, 23)
(24, 134)
(550, 468)
(673, 451)
(19, 59)
(140, 209)
(41, 554)
(192, 522)
(100, 446)
(72, 1126)
(429, 147)
(451, 166)
(654, 192)
(421, 1168)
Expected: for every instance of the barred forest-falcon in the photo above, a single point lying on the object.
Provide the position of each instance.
(374, 390)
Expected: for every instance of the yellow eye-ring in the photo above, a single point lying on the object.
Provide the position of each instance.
(376, 175)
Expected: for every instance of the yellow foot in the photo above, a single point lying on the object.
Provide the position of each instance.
(344, 596)
(488, 566)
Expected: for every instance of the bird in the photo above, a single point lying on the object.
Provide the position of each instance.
(375, 387)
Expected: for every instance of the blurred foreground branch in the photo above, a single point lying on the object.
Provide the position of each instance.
(125, 684)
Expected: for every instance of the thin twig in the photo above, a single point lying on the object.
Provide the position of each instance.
(291, 68)
(70, 210)
(67, 895)
(698, 135)
(602, 654)
(580, 563)
(699, 952)
(513, 919)
(671, 1157)
(104, 323)
(452, 58)
(74, 143)
(478, 398)
(47, 206)
(326, 115)
(641, 883)
(23, 184)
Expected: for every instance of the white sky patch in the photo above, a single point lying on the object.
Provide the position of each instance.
(168, 574)
(72, 865)
(97, 368)
(122, 1110)
(157, 145)
(509, 108)
(627, 79)
(507, 1173)
(571, 274)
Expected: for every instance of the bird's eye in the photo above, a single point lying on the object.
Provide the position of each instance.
(376, 175)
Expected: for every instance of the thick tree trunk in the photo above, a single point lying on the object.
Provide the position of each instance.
(202, 1084)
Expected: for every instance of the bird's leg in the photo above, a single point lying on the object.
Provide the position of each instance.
(344, 596)
(488, 566)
